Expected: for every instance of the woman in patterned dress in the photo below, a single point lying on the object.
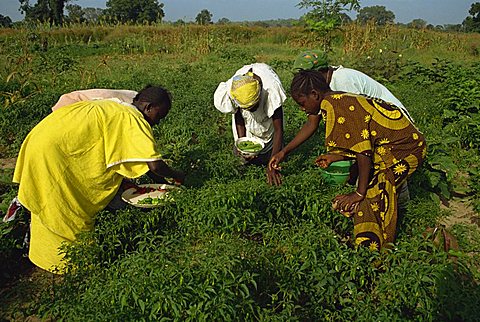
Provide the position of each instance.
(385, 144)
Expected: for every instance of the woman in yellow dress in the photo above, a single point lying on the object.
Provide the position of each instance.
(385, 144)
(72, 164)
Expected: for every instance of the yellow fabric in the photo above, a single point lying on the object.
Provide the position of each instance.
(356, 124)
(245, 91)
(43, 250)
(71, 165)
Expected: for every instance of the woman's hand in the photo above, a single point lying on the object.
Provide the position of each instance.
(127, 184)
(179, 177)
(347, 202)
(245, 157)
(274, 177)
(324, 160)
(274, 162)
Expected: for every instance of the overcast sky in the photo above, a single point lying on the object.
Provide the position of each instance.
(437, 12)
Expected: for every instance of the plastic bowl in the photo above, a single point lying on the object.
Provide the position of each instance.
(249, 153)
(337, 172)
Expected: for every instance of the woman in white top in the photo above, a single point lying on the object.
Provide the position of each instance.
(344, 79)
(254, 96)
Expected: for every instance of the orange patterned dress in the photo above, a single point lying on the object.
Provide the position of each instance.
(375, 128)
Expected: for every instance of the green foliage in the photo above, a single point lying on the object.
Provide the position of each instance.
(417, 24)
(204, 17)
(93, 15)
(50, 11)
(300, 270)
(223, 21)
(12, 237)
(142, 11)
(449, 167)
(5, 21)
(17, 88)
(459, 104)
(321, 7)
(325, 17)
(472, 22)
(379, 14)
(17, 120)
(75, 13)
(382, 64)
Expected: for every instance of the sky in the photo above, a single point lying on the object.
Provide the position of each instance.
(436, 12)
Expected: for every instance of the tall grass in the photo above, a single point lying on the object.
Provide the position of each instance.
(353, 40)
(363, 39)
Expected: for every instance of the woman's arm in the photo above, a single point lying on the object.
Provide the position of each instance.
(273, 176)
(324, 160)
(364, 166)
(305, 133)
(240, 124)
(347, 202)
(161, 169)
(307, 130)
(278, 130)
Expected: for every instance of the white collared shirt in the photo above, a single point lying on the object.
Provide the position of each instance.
(259, 123)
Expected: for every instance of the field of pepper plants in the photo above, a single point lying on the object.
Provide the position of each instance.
(232, 248)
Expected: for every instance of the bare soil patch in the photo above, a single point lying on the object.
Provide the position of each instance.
(8, 163)
(25, 287)
(461, 213)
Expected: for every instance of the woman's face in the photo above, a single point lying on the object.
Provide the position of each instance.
(310, 103)
(154, 113)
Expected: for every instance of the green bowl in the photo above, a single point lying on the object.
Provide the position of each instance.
(337, 172)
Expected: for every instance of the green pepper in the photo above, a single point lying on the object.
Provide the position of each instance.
(145, 201)
(249, 146)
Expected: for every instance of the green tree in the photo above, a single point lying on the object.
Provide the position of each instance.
(472, 22)
(325, 16)
(144, 11)
(344, 18)
(204, 17)
(260, 23)
(5, 21)
(38, 12)
(44, 11)
(179, 22)
(223, 21)
(379, 14)
(93, 15)
(417, 24)
(75, 13)
(453, 27)
(56, 11)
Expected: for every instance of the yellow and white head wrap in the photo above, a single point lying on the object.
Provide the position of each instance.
(245, 90)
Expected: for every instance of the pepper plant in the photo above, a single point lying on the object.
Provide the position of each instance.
(325, 17)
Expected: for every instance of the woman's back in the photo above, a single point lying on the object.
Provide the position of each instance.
(360, 124)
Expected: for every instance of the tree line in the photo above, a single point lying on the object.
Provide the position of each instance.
(322, 15)
(381, 16)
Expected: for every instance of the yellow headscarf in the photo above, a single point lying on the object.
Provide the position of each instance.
(245, 90)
